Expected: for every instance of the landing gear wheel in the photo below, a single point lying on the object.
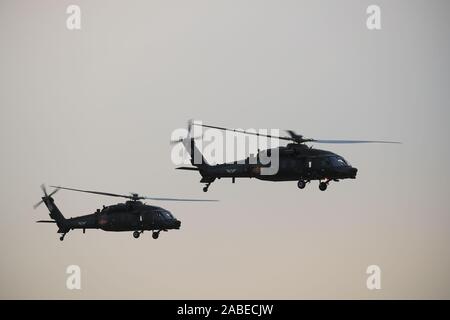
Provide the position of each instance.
(301, 184)
(155, 235)
(323, 186)
(62, 237)
(205, 188)
(136, 234)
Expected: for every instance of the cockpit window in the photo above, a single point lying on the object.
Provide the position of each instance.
(338, 161)
(165, 214)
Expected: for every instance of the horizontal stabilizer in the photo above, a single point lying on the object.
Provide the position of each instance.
(46, 221)
(187, 168)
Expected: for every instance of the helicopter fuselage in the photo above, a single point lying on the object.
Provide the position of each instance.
(129, 216)
(295, 162)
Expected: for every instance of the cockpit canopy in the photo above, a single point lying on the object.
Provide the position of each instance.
(338, 161)
(334, 161)
(166, 214)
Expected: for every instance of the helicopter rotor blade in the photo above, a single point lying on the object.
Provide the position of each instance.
(244, 132)
(38, 204)
(133, 196)
(177, 199)
(352, 141)
(95, 192)
(53, 192)
(172, 142)
(293, 134)
(297, 138)
(189, 126)
(44, 190)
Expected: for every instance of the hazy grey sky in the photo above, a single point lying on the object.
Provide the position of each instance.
(95, 108)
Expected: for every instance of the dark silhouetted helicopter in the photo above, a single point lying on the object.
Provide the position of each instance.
(297, 161)
(133, 215)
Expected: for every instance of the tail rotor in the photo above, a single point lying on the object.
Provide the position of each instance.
(189, 135)
(46, 195)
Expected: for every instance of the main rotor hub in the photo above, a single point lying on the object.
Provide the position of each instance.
(135, 197)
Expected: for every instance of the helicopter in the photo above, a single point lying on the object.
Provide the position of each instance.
(133, 215)
(297, 161)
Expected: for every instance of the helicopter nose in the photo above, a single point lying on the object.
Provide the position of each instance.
(353, 172)
(176, 224)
